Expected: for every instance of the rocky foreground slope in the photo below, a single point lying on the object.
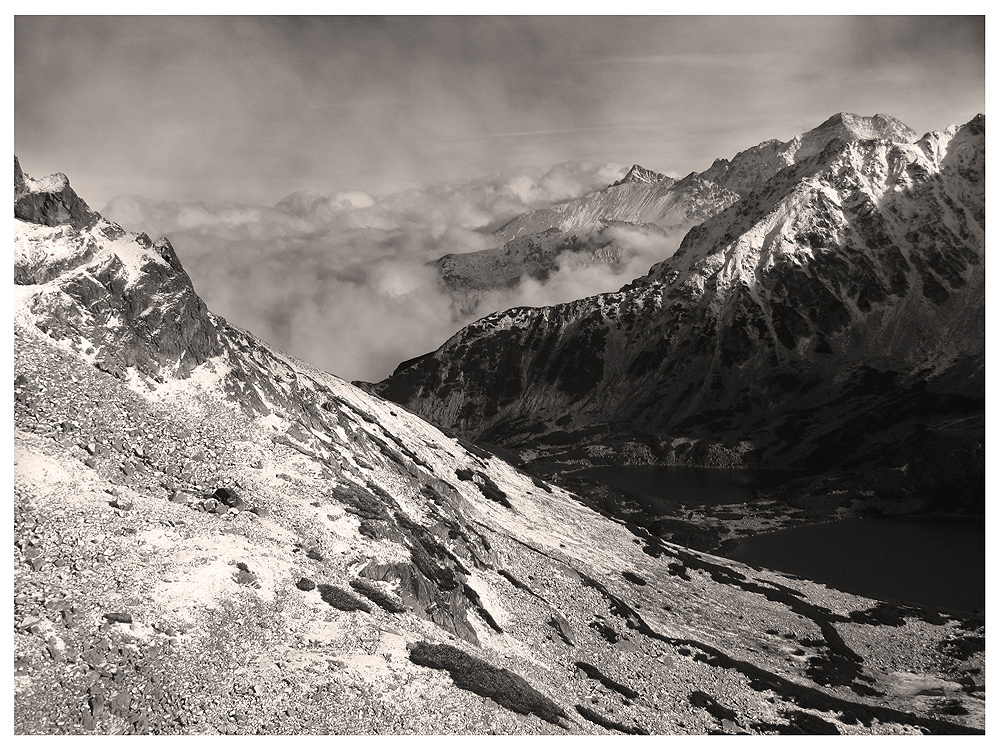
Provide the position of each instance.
(213, 537)
(834, 314)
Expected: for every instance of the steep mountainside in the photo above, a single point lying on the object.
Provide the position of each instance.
(835, 312)
(211, 536)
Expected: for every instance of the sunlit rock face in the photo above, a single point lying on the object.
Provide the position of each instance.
(850, 273)
(50, 201)
(120, 297)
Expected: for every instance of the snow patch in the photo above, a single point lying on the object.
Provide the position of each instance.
(133, 256)
(52, 183)
(204, 379)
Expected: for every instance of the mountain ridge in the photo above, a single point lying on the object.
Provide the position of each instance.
(668, 202)
(644, 199)
(780, 288)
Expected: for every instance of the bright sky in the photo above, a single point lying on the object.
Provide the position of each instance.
(251, 109)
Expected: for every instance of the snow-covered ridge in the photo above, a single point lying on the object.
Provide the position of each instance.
(42, 251)
(645, 196)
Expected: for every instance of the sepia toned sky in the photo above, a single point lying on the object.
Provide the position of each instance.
(195, 128)
(252, 109)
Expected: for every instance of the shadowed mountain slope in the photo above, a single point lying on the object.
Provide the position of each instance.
(832, 314)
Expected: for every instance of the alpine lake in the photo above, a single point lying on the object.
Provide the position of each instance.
(933, 562)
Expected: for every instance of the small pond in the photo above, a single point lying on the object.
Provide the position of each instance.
(689, 486)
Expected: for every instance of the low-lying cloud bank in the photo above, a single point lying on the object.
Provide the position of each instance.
(342, 280)
(579, 275)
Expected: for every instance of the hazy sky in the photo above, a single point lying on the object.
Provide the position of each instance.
(251, 109)
(196, 127)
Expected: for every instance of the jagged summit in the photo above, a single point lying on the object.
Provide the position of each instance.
(851, 127)
(50, 201)
(643, 175)
(883, 126)
(77, 268)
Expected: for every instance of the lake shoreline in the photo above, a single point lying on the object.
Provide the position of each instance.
(748, 513)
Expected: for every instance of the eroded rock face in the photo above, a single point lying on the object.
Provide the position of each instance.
(121, 299)
(50, 201)
(118, 295)
(865, 255)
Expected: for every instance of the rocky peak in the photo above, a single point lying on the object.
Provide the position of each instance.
(643, 175)
(50, 201)
(86, 280)
(749, 169)
(851, 127)
(881, 126)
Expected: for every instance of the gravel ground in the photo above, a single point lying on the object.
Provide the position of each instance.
(141, 607)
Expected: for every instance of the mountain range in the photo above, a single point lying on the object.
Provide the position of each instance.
(532, 245)
(212, 536)
(830, 312)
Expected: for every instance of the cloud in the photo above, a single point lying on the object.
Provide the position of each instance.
(578, 274)
(343, 280)
(252, 108)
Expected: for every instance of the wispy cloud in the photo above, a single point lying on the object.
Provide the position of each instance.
(348, 103)
(343, 280)
(681, 58)
(165, 102)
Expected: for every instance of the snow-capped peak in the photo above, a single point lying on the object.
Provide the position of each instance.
(641, 174)
(851, 127)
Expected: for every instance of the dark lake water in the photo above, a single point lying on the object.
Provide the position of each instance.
(689, 486)
(938, 563)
